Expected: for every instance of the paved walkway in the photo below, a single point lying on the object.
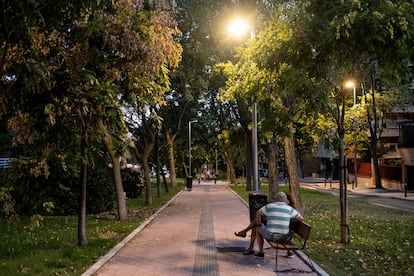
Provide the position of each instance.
(323, 184)
(194, 235)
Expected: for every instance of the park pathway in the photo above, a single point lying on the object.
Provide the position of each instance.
(194, 235)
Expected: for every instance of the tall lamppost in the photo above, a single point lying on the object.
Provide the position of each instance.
(190, 173)
(239, 27)
(350, 84)
(216, 171)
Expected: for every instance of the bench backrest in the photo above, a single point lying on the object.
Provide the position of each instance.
(302, 229)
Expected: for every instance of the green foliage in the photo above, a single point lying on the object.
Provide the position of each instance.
(59, 193)
(133, 182)
(101, 195)
(395, 99)
(66, 67)
(8, 206)
(278, 70)
(35, 222)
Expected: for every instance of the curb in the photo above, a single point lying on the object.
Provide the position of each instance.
(318, 270)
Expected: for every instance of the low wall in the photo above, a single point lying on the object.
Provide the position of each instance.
(391, 177)
(366, 182)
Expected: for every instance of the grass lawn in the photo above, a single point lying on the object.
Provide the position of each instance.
(382, 239)
(51, 248)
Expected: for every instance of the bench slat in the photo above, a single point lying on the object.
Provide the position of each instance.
(277, 245)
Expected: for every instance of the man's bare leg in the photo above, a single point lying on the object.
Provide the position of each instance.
(260, 240)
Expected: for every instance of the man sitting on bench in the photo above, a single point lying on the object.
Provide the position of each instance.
(278, 215)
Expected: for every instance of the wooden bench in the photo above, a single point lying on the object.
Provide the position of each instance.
(301, 233)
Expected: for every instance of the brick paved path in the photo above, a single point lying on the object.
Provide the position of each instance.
(193, 235)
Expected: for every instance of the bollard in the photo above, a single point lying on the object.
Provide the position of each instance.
(405, 189)
(189, 183)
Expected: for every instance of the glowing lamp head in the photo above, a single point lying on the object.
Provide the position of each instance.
(238, 27)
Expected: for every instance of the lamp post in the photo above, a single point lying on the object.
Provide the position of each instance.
(190, 173)
(352, 84)
(239, 27)
(254, 149)
(216, 171)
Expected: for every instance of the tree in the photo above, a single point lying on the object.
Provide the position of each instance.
(138, 47)
(195, 84)
(147, 77)
(357, 120)
(33, 37)
(362, 41)
(144, 144)
(72, 63)
(278, 71)
(383, 53)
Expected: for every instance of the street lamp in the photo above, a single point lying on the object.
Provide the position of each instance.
(254, 149)
(350, 84)
(216, 173)
(190, 174)
(238, 28)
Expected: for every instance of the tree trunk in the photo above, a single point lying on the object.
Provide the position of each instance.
(294, 186)
(159, 166)
(146, 148)
(116, 170)
(82, 199)
(82, 206)
(377, 175)
(143, 157)
(375, 163)
(230, 168)
(342, 174)
(165, 183)
(273, 172)
(147, 178)
(173, 173)
(373, 130)
(343, 196)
